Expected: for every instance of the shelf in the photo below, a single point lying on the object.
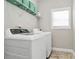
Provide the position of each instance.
(26, 5)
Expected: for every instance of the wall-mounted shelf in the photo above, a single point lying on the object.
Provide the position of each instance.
(26, 5)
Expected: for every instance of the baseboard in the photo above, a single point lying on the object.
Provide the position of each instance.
(64, 50)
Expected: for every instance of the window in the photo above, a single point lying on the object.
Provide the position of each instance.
(61, 18)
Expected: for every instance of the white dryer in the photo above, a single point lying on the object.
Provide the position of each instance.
(23, 46)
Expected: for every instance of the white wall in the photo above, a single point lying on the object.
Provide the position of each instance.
(74, 25)
(60, 38)
(15, 16)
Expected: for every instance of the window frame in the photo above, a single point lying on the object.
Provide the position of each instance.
(61, 27)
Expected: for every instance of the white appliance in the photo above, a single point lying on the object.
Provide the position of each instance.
(22, 46)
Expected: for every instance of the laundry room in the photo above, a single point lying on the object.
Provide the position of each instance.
(39, 29)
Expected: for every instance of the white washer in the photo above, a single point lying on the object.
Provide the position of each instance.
(19, 46)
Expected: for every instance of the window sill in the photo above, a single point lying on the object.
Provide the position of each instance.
(60, 27)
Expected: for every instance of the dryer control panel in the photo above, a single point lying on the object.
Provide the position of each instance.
(19, 31)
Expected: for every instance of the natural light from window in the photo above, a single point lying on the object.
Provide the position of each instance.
(61, 18)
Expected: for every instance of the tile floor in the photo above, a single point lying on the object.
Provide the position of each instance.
(61, 55)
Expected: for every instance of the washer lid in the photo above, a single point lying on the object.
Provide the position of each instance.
(23, 36)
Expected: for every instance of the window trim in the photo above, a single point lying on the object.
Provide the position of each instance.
(61, 27)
